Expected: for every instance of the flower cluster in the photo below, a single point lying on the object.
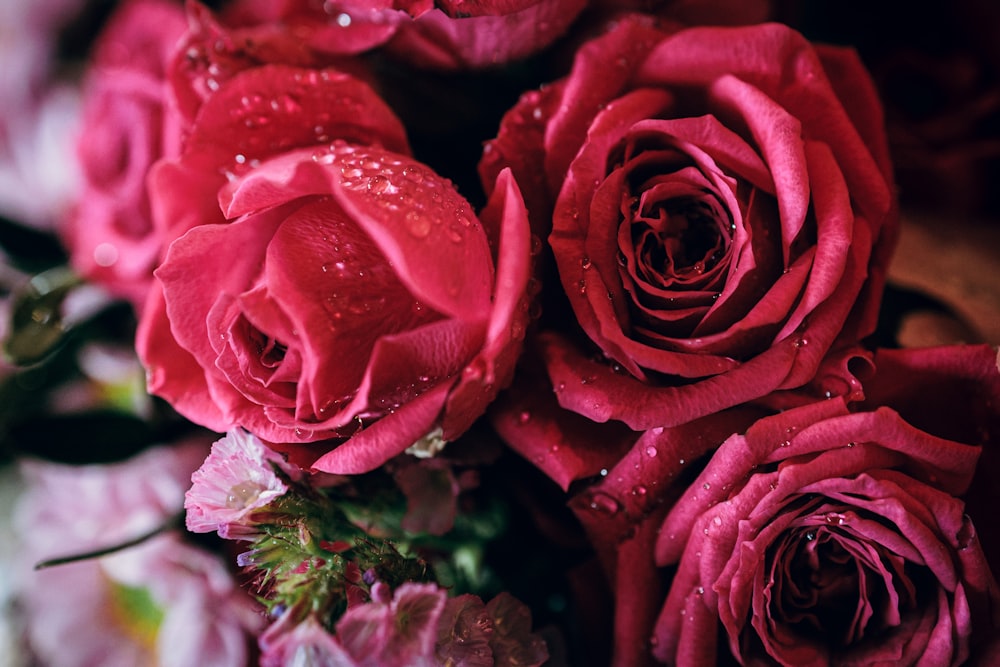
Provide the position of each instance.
(572, 302)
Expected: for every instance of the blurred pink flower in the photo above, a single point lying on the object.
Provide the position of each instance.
(394, 632)
(417, 626)
(306, 645)
(127, 124)
(237, 478)
(161, 602)
(71, 509)
(38, 178)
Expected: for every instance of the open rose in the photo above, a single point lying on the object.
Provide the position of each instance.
(350, 295)
(126, 127)
(823, 537)
(720, 216)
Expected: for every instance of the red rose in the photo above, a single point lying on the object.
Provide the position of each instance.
(822, 537)
(350, 293)
(721, 214)
(126, 127)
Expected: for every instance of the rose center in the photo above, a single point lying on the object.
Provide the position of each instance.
(824, 593)
(269, 351)
(680, 237)
(834, 589)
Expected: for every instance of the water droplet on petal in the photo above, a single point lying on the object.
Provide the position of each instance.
(105, 254)
(651, 451)
(602, 503)
(243, 494)
(418, 225)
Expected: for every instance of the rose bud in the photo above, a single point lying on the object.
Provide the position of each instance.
(719, 210)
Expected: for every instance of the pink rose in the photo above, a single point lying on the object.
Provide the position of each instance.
(126, 127)
(719, 209)
(823, 537)
(350, 294)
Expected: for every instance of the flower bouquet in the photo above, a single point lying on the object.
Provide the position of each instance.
(522, 332)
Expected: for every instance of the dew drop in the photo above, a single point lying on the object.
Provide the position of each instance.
(105, 254)
(651, 451)
(810, 536)
(585, 263)
(536, 244)
(717, 521)
(243, 494)
(602, 503)
(378, 184)
(638, 490)
(418, 225)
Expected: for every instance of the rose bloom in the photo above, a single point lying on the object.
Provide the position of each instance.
(126, 126)
(823, 537)
(718, 204)
(350, 294)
